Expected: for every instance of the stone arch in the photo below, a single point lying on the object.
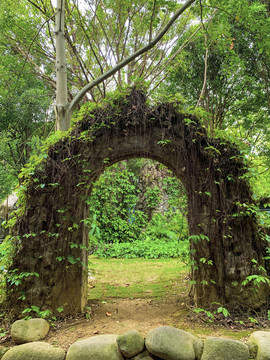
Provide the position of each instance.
(51, 238)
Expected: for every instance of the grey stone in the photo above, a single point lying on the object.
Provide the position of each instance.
(101, 347)
(262, 340)
(169, 343)
(253, 350)
(224, 349)
(143, 356)
(35, 351)
(3, 350)
(23, 331)
(198, 348)
(130, 343)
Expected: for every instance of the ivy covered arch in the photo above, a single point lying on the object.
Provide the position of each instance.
(50, 236)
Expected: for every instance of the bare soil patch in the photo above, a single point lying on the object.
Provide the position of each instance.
(115, 317)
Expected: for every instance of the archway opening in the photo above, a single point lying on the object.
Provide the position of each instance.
(137, 210)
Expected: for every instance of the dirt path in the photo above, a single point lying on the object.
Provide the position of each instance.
(117, 316)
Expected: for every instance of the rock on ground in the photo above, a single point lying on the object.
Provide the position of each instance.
(35, 350)
(142, 356)
(23, 331)
(198, 348)
(130, 343)
(169, 343)
(224, 349)
(262, 340)
(3, 350)
(101, 347)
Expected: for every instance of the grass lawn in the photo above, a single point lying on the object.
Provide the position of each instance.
(137, 278)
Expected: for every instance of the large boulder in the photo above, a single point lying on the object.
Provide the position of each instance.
(169, 343)
(130, 343)
(224, 349)
(23, 331)
(101, 347)
(35, 350)
(261, 339)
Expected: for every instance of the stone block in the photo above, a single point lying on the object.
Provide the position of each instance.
(130, 343)
(169, 343)
(23, 331)
(101, 347)
(224, 349)
(262, 340)
(3, 350)
(35, 350)
(143, 356)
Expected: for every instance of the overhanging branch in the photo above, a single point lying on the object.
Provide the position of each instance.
(126, 61)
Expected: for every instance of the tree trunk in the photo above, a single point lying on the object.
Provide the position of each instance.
(61, 106)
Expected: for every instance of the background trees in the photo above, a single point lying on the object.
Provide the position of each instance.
(236, 63)
(24, 116)
(98, 35)
(212, 63)
(214, 59)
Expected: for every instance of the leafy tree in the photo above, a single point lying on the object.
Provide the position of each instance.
(230, 54)
(223, 74)
(24, 118)
(99, 36)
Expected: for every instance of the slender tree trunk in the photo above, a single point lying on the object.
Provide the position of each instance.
(62, 121)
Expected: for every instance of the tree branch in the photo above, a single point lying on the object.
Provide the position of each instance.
(151, 21)
(178, 51)
(205, 68)
(126, 61)
(31, 61)
(37, 7)
(28, 51)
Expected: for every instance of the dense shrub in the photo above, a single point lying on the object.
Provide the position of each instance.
(119, 222)
(147, 248)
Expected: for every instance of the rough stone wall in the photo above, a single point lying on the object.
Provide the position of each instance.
(50, 237)
(150, 178)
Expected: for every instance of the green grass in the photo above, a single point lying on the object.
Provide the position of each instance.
(153, 279)
(137, 278)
